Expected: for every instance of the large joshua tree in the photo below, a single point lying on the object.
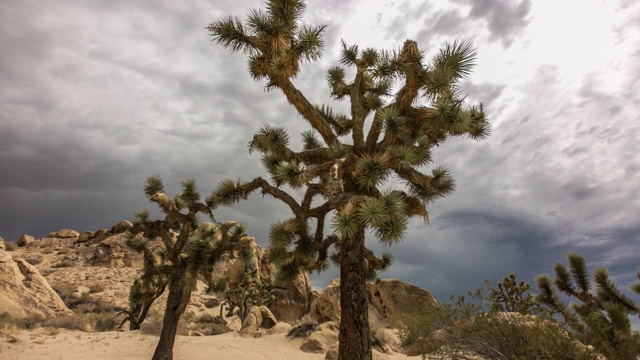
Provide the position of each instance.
(400, 108)
(176, 250)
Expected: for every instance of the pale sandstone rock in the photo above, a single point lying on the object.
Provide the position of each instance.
(326, 307)
(322, 339)
(24, 292)
(63, 234)
(258, 317)
(25, 240)
(121, 227)
(398, 301)
(2, 247)
(279, 328)
(292, 298)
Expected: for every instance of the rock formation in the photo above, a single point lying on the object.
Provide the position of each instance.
(24, 292)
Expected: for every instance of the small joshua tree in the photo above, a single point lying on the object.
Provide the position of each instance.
(176, 250)
(513, 296)
(601, 319)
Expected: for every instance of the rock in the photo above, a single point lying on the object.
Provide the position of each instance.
(25, 240)
(326, 307)
(279, 328)
(84, 237)
(212, 303)
(121, 227)
(258, 317)
(52, 243)
(110, 252)
(259, 334)
(2, 247)
(64, 234)
(321, 340)
(24, 292)
(398, 301)
(292, 298)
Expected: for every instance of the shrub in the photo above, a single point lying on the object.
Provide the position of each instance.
(461, 329)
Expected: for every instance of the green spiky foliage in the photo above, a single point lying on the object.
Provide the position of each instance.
(513, 296)
(601, 317)
(406, 104)
(176, 250)
(250, 292)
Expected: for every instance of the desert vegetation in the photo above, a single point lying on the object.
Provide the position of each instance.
(511, 322)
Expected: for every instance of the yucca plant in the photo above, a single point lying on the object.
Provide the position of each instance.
(407, 106)
(601, 318)
(176, 250)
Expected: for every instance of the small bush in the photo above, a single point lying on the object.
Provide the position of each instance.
(34, 259)
(64, 263)
(96, 288)
(46, 251)
(210, 325)
(153, 326)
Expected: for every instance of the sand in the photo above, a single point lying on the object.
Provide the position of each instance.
(75, 345)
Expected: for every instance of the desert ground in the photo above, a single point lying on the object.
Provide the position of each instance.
(75, 345)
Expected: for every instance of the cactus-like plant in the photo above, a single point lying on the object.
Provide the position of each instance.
(601, 318)
(176, 250)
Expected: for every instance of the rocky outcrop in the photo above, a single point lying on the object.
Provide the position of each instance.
(25, 240)
(326, 306)
(322, 339)
(121, 227)
(292, 298)
(398, 301)
(63, 234)
(2, 247)
(52, 243)
(24, 292)
(258, 317)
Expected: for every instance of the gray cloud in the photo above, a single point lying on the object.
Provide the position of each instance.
(99, 95)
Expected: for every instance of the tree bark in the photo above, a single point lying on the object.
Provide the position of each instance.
(180, 288)
(355, 336)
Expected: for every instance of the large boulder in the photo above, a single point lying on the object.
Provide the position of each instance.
(258, 317)
(25, 240)
(24, 292)
(322, 339)
(64, 234)
(122, 226)
(292, 298)
(326, 306)
(398, 301)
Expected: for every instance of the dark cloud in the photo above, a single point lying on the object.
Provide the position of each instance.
(96, 96)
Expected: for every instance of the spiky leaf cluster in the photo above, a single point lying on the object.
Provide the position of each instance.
(600, 318)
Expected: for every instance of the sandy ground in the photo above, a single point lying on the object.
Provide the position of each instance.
(74, 345)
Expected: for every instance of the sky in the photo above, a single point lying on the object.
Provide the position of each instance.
(97, 95)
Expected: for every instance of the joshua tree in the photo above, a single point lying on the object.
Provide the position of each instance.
(176, 250)
(602, 318)
(400, 108)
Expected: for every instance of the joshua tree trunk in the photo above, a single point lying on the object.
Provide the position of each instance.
(355, 337)
(180, 287)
